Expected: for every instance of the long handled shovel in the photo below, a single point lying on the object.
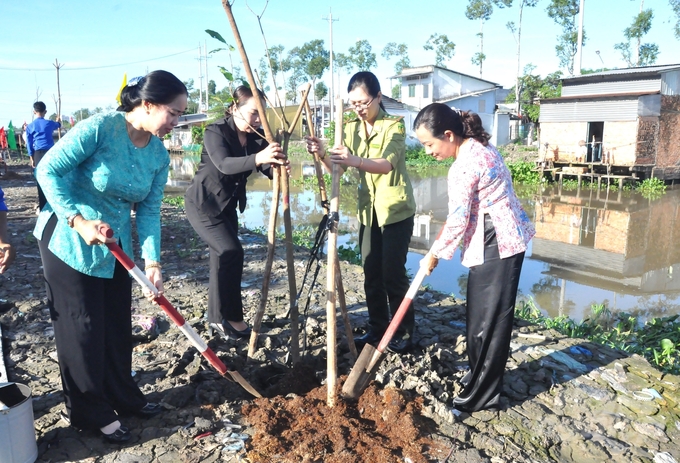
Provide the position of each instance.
(176, 317)
(367, 364)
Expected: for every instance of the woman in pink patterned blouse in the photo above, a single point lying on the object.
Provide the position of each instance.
(486, 216)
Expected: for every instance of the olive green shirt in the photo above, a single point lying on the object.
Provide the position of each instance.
(391, 194)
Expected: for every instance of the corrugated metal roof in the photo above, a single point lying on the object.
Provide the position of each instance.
(618, 72)
(430, 68)
(465, 95)
(609, 96)
(590, 111)
(612, 87)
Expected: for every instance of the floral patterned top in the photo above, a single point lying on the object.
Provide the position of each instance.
(479, 183)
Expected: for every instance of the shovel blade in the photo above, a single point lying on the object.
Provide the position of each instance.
(362, 372)
(236, 376)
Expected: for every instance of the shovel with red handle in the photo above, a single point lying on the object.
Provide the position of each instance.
(176, 317)
(369, 361)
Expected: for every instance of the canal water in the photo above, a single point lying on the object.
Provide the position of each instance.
(591, 247)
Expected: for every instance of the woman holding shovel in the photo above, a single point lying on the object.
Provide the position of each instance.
(485, 214)
(374, 144)
(91, 178)
(233, 148)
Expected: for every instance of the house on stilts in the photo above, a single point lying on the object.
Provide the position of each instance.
(623, 123)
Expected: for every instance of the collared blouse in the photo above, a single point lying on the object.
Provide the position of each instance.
(390, 195)
(480, 183)
(96, 171)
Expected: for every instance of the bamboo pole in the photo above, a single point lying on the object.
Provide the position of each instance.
(331, 341)
(290, 258)
(271, 235)
(338, 272)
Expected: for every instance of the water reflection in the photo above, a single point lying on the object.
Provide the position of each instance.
(591, 246)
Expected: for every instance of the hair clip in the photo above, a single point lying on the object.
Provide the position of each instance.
(134, 81)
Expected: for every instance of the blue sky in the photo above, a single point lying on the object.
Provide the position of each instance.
(98, 42)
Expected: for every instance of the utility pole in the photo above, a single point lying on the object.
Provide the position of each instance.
(58, 99)
(579, 40)
(200, 79)
(207, 87)
(330, 20)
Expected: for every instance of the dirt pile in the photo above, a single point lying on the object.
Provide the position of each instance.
(383, 426)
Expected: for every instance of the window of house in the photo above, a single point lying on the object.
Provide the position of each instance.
(426, 91)
(412, 90)
(482, 106)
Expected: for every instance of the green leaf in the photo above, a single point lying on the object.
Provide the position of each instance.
(216, 35)
(227, 75)
(216, 50)
(667, 345)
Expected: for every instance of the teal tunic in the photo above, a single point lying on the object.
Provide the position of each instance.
(96, 171)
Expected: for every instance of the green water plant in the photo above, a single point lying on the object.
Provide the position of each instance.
(652, 188)
(524, 172)
(658, 339)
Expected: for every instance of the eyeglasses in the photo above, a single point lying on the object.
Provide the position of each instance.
(361, 106)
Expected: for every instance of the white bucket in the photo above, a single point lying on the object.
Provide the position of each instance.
(17, 432)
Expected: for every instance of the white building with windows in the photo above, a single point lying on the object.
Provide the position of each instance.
(423, 85)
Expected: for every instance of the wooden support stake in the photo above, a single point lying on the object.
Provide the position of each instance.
(338, 274)
(257, 321)
(290, 258)
(331, 341)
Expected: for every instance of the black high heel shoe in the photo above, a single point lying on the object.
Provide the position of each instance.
(225, 330)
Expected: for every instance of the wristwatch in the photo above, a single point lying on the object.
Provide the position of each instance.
(71, 219)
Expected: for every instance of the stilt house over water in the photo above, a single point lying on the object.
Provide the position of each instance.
(623, 121)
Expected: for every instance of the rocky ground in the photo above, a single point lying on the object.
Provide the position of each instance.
(566, 400)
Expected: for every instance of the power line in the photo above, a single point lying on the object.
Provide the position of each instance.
(97, 67)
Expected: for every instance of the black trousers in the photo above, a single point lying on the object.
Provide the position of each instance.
(383, 254)
(491, 294)
(93, 333)
(37, 156)
(226, 261)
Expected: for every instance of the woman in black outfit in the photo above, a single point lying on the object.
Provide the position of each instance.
(232, 148)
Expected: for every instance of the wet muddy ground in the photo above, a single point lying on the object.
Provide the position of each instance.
(565, 400)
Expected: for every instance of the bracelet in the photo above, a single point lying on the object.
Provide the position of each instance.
(153, 265)
(71, 219)
(360, 163)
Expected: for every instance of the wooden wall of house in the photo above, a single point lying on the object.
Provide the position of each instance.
(562, 139)
(620, 141)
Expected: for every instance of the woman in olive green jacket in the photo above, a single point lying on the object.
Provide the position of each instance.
(374, 144)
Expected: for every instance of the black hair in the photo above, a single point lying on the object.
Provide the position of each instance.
(240, 96)
(39, 107)
(157, 87)
(368, 81)
(438, 118)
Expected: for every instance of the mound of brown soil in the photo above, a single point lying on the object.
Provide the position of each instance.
(383, 426)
